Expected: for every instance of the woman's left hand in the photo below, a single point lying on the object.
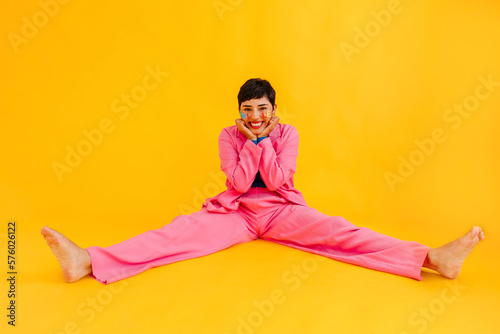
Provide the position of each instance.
(270, 126)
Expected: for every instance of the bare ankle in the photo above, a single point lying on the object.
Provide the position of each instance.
(429, 261)
(86, 262)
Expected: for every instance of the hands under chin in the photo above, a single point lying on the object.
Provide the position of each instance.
(248, 133)
(245, 130)
(270, 127)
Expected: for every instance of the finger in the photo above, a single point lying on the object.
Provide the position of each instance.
(240, 124)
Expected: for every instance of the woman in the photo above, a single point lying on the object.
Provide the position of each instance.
(258, 156)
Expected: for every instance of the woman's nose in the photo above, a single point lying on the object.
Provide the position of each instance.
(253, 115)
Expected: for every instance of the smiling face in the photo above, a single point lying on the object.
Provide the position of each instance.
(256, 114)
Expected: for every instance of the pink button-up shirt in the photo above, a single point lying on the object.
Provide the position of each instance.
(241, 159)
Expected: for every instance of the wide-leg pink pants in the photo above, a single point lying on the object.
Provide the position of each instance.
(262, 214)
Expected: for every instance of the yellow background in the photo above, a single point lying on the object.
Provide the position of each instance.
(357, 114)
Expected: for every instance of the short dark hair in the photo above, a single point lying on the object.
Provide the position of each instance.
(255, 89)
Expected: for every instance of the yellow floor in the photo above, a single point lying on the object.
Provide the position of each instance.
(257, 287)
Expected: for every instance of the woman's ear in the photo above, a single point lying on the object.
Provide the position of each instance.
(274, 110)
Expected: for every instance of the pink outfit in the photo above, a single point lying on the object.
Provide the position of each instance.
(276, 159)
(243, 213)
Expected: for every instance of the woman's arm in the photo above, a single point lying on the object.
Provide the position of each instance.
(277, 168)
(240, 169)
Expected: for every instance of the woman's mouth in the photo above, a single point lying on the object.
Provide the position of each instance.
(256, 125)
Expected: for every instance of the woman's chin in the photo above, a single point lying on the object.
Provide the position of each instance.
(257, 131)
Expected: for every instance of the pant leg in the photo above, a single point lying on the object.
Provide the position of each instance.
(308, 229)
(186, 237)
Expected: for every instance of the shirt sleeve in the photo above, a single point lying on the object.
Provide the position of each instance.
(240, 169)
(277, 168)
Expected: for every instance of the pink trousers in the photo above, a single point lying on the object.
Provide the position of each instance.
(262, 214)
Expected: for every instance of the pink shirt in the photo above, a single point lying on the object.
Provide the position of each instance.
(241, 159)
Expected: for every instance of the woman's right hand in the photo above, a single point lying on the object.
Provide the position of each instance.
(245, 130)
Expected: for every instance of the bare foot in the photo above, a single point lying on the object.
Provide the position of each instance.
(74, 260)
(448, 259)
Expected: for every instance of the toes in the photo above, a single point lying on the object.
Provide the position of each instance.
(46, 231)
(474, 232)
(53, 240)
(481, 233)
